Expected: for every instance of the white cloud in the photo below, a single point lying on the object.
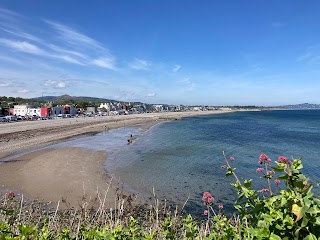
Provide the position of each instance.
(176, 68)
(186, 84)
(68, 59)
(140, 64)
(151, 95)
(72, 36)
(311, 55)
(105, 62)
(3, 84)
(54, 84)
(61, 85)
(23, 91)
(22, 34)
(22, 46)
(8, 16)
(62, 50)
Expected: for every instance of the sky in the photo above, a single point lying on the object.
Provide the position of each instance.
(188, 52)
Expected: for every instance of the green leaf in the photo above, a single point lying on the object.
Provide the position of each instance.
(297, 210)
(274, 237)
(310, 237)
(277, 169)
(247, 183)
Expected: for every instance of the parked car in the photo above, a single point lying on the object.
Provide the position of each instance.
(3, 119)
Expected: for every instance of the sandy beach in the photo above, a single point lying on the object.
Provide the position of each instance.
(66, 173)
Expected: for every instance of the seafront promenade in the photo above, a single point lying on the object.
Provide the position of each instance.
(50, 174)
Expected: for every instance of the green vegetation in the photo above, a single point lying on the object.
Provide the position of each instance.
(287, 212)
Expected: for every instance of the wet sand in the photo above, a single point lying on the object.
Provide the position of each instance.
(53, 174)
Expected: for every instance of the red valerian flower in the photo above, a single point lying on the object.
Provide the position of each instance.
(207, 198)
(11, 195)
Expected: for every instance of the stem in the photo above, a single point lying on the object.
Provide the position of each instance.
(236, 177)
(214, 213)
(269, 185)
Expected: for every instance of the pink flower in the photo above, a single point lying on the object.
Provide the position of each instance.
(205, 212)
(259, 170)
(223, 166)
(220, 207)
(263, 158)
(231, 158)
(264, 190)
(207, 198)
(271, 172)
(11, 195)
(277, 181)
(283, 159)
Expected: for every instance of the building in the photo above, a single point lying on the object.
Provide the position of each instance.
(91, 110)
(45, 112)
(67, 109)
(26, 110)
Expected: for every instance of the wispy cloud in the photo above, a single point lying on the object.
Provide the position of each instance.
(7, 15)
(151, 95)
(21, 34)
(23, 91)
(62, 50)
(140, 64)
(176, 68)
(55, 84)
(186, 84)
(4, 84)
(311, 55)
(72, 36)
(67, 59)
(12, 60)
(22, 46)
(105, 62)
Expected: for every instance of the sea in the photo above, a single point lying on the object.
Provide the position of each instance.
(176, 161)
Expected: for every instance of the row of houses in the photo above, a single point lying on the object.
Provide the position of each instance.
(103, 109)
(28, 110)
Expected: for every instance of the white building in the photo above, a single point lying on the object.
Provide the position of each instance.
(26, 110)
(105, 105)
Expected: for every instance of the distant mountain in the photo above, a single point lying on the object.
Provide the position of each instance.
(302, 106)
(75, 99)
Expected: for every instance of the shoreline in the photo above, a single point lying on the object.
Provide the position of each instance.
(69, 174)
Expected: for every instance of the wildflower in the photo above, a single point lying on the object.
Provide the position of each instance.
(231, 158)
(283, 159)
(207, 198)
(206, 212)
(264, 190)
(271, 172)
(259, 170)
(11, 195)
(263, 158)
(223, 166)
(220, 207)
(277, 181)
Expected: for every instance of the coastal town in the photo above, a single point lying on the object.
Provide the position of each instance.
(21, 110)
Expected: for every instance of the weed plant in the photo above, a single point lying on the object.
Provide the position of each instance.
(284, 209)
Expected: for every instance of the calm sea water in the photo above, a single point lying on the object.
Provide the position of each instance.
(182, 159)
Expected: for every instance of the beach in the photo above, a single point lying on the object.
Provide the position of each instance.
(68, 174)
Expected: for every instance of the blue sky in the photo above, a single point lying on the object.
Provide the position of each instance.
(177, 52)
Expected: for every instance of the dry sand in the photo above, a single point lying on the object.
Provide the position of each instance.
(66, 173)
